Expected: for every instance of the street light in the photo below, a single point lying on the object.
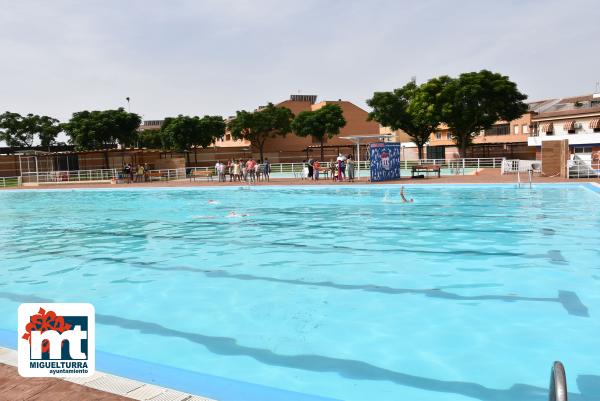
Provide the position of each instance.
(128, 109)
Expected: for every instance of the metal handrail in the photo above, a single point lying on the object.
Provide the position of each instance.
(558, 383)
(10, 182)
(581, 168)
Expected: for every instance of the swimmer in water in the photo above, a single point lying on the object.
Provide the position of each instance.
(386, 197)
(235, 214)
(213, 202)
(404, 197)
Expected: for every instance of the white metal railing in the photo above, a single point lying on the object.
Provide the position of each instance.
(10, 182)
(581, 168)
(69, 176)
(456, 166)
(166, 174)
(516, 166)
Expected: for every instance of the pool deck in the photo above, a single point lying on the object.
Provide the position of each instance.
(99, 387)
(483, 176)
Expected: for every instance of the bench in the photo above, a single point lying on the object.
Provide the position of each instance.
(151, 175)
(201, 174)
(324, 172)
(426, 168)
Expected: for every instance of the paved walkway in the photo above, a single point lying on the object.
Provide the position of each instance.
(16, 388)
(98, 387)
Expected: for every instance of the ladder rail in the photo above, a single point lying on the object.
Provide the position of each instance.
(558, 383)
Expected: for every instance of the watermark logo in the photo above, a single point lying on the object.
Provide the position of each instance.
(56, 340)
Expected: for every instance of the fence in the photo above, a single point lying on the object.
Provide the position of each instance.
(520, 166)
(580, 168)
(68, 176)
(278, 170)
(6, 182)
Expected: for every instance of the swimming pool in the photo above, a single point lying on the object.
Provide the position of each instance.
(343, 293)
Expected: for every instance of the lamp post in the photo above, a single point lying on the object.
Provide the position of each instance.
(128, 108)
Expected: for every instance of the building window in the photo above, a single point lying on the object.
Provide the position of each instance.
(525, 129)
(449, 135)
(438, 135)
(582, 149)
(500, 129)
(515, 129)
(228, 137)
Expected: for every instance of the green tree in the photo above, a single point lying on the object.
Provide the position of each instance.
(21, 131)
(151, 138)
(14, 132)
(473, 102)
(101, 129)
(260, 125)
(183, 132)
(396, 110)
(47, 129)
(319, 124)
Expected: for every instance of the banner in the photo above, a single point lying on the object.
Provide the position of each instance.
(385, 161)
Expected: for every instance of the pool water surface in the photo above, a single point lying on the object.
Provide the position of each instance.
(329, 292)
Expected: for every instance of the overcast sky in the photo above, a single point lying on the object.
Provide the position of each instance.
(217, 56)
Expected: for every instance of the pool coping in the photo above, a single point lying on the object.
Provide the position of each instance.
(118, 385)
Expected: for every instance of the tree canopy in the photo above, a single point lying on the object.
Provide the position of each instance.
(260, 125)
(470, 103)
(319, 124)
(396, 110)
(99, 129)
(183, 132)
(21, 131)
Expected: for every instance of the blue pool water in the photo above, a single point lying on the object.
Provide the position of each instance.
(321, 293)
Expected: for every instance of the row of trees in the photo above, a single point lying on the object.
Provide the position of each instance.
(103, 129)
(468, 104)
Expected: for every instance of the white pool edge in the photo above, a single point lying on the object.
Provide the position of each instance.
(118, 385)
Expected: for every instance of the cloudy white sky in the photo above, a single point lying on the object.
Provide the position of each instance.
(217, 56)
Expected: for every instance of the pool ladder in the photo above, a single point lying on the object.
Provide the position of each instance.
(558, 383)
(529, 176)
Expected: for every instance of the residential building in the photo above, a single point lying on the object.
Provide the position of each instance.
(576, 119)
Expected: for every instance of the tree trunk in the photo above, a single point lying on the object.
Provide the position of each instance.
(106, 157)
(322, 150)
(261, 146)
(462, 149)
(420, 149)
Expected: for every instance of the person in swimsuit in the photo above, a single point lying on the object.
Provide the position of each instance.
(404, 197)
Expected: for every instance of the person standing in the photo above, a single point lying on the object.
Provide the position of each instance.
(267, 169)
(316, 167)
(350, 168)
(310, 169)
(127, 173)
(251, 169)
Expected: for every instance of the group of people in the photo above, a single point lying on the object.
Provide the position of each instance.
(340, 169)
(138, 173)
(249, 171)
